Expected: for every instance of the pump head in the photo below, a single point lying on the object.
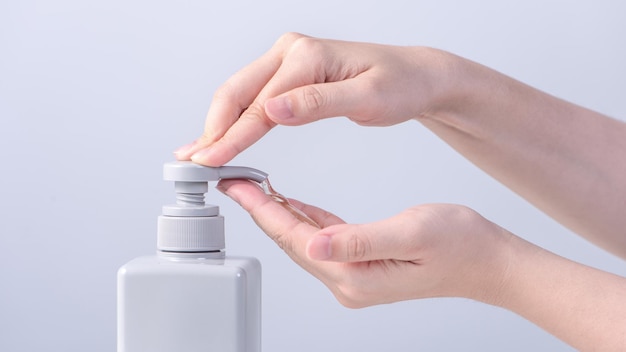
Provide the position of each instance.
(191, 183)
(190, 225)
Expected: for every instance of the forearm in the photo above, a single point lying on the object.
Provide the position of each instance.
(568, 161)
(582, 306)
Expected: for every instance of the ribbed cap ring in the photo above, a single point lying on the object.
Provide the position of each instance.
(190, 234)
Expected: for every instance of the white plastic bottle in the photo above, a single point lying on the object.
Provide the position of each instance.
(191, 296)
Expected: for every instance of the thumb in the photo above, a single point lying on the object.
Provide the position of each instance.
(359, 243)
(314, 102)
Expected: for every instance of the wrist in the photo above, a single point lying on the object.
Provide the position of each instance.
(467, 96)
(475, 254)
(450, 83)
(492, 279)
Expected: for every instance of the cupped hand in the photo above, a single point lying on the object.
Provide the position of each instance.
(426, 251)
(303, 79)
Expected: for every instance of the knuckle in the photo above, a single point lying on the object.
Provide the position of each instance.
(283, 242)
(313, 51)
(307, 45)
(255, 113)
(279, 236)
(289, 38)
(356, 248)
(313, 99)
(226, 93)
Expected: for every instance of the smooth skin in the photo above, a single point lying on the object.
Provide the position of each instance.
(567, 160)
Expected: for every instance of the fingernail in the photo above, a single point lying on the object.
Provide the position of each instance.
(223, 187)
(185, 148)
(201, 155)
(220, 187)
(319, 248)
(279, 108)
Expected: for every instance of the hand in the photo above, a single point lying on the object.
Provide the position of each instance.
(426, 251)
(303, 79)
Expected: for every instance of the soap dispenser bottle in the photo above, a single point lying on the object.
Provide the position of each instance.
(191, 296)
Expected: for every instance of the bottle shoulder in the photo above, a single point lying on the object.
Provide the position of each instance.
(157, 263)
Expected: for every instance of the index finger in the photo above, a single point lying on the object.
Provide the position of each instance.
(236, 119)
(289, 233)
(230, 100)
(277, 222)
(244, 132)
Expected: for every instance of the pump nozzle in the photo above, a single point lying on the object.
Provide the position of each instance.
(186, 171)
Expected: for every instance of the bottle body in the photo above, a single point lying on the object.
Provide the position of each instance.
(189, 302)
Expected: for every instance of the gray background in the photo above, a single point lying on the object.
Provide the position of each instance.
(95, 96)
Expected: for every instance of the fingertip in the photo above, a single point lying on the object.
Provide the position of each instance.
(224, 186)
(207, 157)
(184, 152)
(239, 190)
(180, 156)
(200, 156)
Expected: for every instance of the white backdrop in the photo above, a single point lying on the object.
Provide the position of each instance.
(95, 96)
